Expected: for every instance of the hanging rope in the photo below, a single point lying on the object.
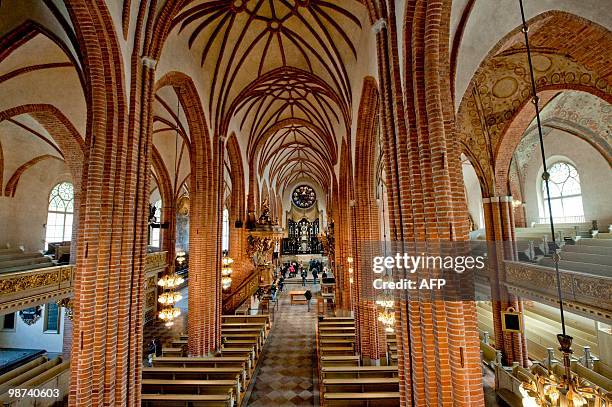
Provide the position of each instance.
(545, 175)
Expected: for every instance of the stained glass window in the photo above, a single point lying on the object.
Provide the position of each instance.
(565, 193)
(60, 214)
(303, 196)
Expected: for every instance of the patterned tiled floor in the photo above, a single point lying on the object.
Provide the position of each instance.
(286, 369)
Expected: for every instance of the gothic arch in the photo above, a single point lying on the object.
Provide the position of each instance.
(495, 109)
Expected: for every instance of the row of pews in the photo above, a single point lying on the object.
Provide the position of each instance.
(343, 380)
(13, 260)
(592, 256)
(41, 375)
(221, 380)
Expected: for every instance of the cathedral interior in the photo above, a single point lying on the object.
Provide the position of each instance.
(306, 203)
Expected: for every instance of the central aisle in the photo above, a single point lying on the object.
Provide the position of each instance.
(286, 371)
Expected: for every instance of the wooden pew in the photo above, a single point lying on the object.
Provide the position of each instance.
(204, 361)
(243, 343)
(361, 385)
(198, 387)
(336, 350)
(342, 372)
(242, 336)
(378, 399)
(240, 352)
(346, 335)
(173, 352)
(343, 360)
(186, 400)
(337, 323)
(336, 329)
(334, 319)
(337, 342)
(196, 373)
(259, 330)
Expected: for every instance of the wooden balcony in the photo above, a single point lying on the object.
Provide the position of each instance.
(23, 289)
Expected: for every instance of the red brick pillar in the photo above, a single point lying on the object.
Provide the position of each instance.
(440, 357)
(108, 291)
(499, 224)
(205, 222)
(366, 235)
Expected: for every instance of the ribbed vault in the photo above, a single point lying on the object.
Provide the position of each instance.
(279, 72)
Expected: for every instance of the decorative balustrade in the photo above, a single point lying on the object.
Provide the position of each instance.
(580, 290)
(29, 288)
(24, 289)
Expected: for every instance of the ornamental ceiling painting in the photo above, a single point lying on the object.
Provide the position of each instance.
(495, 110)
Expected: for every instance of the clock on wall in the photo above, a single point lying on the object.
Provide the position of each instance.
(303, 196)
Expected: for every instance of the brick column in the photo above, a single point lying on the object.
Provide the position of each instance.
(499, 224)
(439, 357)
(108, 293)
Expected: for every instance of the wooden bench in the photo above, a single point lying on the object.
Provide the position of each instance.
(297, 297)
(378, 399)
(173, 352)
(204, 361)
(238, 335)
(243, 343)
(337, 323)
(361, 385)
(248, 330)
(337, 342)
(323, 330)
(209, 387)
(345, 335)
(186, 400)
(336, 350)
(348, 360)
(195, 373)
(334, 319)
(343, 372)
(247, 352)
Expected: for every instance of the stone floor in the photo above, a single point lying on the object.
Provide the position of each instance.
(286, 372)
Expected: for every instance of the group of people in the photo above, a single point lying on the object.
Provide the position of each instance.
(293, 269)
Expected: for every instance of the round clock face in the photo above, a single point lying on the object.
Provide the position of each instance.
(303, 196)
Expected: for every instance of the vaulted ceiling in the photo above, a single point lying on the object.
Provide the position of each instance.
(279, 73)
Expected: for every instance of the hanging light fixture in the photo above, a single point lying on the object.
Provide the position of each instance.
(546, 389)
(171, 281)
(226, 272)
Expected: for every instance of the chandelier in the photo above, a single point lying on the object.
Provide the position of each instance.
(226, 272)
(387, 318)
(170, 296)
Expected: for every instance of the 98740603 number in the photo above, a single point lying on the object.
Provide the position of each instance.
(37, 393)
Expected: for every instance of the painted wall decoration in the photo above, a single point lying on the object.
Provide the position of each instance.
(182, 224)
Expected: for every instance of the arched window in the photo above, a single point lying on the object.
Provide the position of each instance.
(59, 217)
(225, 235)
(565, 194)
(155, 232)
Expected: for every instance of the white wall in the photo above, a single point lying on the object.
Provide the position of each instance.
(23, 217)
(594, 171)
(32, 336)
(473, 193)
